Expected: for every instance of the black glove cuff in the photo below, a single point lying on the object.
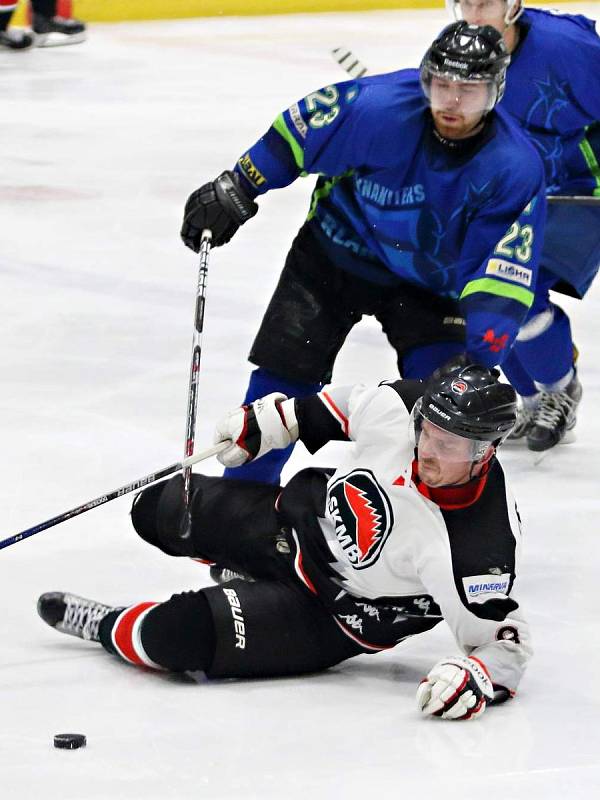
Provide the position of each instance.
(233, 198)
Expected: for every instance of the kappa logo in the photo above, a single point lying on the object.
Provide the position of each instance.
(353, 621)
(362, 515)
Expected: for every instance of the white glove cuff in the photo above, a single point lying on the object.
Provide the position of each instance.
(288, 412)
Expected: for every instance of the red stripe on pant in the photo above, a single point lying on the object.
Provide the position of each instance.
(123, 633)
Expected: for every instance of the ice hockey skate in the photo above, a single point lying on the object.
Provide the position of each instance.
(525, 421)
(71, 614)
(16, 39)
(555, 416)
(57, 31)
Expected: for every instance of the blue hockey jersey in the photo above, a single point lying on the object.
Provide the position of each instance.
(553, 91)
(393, 203)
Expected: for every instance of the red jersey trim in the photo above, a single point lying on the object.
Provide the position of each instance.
(337, 413)
(450, 498)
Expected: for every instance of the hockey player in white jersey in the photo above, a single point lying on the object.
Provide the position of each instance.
(415, 526)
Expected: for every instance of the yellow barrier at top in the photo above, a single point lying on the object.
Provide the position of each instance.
(165, 9)
(116, 10)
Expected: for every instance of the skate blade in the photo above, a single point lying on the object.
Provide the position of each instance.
(569, 438)
(54, 39)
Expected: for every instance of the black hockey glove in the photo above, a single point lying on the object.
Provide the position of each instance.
(220, 205)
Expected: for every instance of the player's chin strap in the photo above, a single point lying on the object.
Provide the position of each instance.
(483, 462)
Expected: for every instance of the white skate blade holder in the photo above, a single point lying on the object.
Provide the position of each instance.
(56, 39)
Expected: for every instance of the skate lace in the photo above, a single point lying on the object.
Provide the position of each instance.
(554, 408)
(83, 617)
(525, 418)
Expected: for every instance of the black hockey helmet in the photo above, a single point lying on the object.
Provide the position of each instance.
(468, 53)
(469, 401)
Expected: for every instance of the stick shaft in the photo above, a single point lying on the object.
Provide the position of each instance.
(573, 200)
(105, 498)
(190, 428)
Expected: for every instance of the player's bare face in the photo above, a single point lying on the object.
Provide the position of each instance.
(444, 458)
(484, 12)
(457, 107)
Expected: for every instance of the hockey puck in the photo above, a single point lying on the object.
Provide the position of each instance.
(69, 741)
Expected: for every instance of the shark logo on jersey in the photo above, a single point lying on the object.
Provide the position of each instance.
(362, 515)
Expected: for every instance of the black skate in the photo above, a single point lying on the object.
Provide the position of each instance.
(16, 39)
(71, 614)
(525, 422)
(57, 31)
(554, 417)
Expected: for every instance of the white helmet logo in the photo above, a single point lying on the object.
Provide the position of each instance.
(458, 387)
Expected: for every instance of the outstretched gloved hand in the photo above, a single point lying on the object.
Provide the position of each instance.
(456, 688)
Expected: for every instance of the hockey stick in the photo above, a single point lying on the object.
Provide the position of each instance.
(190, 429)
(105, 498)
(573, 200)
(348, 62)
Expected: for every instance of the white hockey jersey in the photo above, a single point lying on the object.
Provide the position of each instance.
(390, 557)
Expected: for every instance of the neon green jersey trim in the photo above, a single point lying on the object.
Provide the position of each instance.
(492, 286)
(283, 130)
(323, 191)
(592, 163)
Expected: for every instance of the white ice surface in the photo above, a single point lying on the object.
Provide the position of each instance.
(100, 144)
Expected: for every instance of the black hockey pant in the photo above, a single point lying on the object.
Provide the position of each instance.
(269, 627)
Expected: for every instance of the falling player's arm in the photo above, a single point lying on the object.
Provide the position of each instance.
(471, 571)
(337, 413)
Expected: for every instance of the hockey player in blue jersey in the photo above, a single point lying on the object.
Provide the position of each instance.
(554, 94)
(427, 214)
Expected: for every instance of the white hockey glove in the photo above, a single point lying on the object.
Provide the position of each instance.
(456, 688)
(268, 423)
